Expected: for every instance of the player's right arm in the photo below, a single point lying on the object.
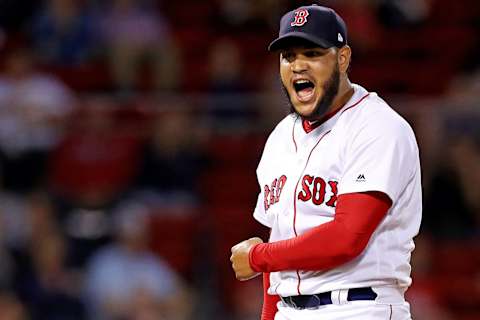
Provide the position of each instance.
(328, 245)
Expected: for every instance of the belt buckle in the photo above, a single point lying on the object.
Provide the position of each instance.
(319, 301)
(318, 304)
(292, 302)
(289, 302)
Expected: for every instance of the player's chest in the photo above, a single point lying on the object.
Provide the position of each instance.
(303, 180)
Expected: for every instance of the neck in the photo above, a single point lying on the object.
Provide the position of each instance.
(345, 92)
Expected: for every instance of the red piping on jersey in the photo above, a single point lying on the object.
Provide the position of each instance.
(298, 283)
(356, 103)
(293, 134)
(310, 126)
(295, 199)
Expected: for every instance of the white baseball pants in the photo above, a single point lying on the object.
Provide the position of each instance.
(355, 310)
(389, 305)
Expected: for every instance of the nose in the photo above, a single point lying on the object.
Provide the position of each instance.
(299, 65)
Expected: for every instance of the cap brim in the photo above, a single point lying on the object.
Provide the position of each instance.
(293, 38)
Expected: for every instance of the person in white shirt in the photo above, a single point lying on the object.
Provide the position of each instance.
(340, 188)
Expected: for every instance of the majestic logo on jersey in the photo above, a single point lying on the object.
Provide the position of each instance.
(315, 189)
(271, 194)
(300, 18)
(361, 178)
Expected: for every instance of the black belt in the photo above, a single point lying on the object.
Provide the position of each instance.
(315, 300)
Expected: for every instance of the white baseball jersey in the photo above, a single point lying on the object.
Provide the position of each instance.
(365, 146)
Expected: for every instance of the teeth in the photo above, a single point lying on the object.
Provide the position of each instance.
(301, 81)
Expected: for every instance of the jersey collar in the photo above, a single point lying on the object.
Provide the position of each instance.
(358, 94)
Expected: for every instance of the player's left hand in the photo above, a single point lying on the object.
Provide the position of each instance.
(240, 261)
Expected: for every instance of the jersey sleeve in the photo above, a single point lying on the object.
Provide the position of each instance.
(381, 157)
(259, 213)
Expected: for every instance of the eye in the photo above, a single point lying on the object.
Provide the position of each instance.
(314, 53)
(288, 55)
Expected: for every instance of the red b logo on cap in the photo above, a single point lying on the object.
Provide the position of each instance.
(300, 18)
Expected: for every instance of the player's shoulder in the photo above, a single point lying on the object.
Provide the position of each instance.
(276, 142)
(285, 124)
(376, 115)
(283, 128)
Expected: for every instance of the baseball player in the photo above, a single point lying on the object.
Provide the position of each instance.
(340, 188)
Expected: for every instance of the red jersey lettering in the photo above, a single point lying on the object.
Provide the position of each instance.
(271, 194)
(306, 194)
(318, 191)
(333, 198)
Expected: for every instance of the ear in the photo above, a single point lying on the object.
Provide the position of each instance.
(344, 56)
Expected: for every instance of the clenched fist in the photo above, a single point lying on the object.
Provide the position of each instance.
(240, 261)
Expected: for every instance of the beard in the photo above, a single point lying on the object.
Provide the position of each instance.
(330, 89)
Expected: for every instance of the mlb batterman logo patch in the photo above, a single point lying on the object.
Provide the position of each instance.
(300, 18)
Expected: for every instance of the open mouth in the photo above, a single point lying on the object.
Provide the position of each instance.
(304, 89)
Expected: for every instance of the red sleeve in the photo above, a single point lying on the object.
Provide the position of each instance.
(269, 301)
(331, 244)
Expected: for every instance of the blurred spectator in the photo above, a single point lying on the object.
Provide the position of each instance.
(452, 206)
(34, 108)
(23, 220)
(135, 33)
(126, 281)
(403, 13)
(7, 265)
(89, 171)
(11, 308)
(14, 221)
(173, 159)
(226, 66)
(245, 15)
(63, 32)
(464, 90)
(435, 127)
(96, 162)
(49, 288)
(427, 122)
(226, 80)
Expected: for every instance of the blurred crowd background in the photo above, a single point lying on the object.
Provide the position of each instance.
(130, 131)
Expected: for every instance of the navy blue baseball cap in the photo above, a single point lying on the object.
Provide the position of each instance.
(316, 24)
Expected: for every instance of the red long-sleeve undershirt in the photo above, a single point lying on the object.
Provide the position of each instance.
(326, 246)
